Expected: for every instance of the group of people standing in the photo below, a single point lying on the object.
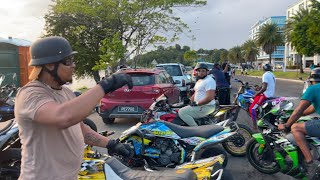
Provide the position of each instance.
(216, 84)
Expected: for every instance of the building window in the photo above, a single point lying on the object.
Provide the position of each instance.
(301, 6)
(288, 14)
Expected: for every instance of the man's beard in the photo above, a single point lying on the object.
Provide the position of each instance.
(198, 77)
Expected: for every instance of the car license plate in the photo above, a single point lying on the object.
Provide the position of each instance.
(128, 109)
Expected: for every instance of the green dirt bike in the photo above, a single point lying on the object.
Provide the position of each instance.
(275, 151)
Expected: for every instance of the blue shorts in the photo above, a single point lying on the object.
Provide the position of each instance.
(313, 128)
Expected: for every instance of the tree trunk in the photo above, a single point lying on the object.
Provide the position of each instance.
(270, 58)
(301, 67)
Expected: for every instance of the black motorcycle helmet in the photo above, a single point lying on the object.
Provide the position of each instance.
(49, 50)
(315, 75)
(201, 66)
(267, 67)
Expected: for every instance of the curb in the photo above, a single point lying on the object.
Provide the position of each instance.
(282, 79)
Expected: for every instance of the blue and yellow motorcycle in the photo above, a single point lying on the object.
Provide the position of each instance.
(164, 144)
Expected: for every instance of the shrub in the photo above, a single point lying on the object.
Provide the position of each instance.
(293, 67)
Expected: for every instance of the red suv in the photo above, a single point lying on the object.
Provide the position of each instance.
(126, 103)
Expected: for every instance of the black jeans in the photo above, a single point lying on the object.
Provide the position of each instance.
(223, 95)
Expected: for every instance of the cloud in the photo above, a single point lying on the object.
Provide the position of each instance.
(226, 23)
(219, 24)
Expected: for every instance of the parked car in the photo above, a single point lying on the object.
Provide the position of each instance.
(126, 103)
(178, 72)
(210, 66)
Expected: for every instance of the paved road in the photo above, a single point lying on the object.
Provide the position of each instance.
(239, 166)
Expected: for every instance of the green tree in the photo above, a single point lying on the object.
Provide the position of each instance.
(190, 57)
(235, 55)
(224, 55)
(250, 50)
(303, 31)
(269, 37)
(139, 23)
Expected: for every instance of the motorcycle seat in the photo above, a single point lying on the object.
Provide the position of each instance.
(271, 98)
(204, 131)
(117, 171)
(5, 126)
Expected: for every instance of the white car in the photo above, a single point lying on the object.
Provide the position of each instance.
(178, 73)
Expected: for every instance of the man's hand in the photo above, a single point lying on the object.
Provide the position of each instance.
(115, 82)
(281, 127)
(115, 147)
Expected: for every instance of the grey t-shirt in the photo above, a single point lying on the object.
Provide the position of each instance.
(47, 151)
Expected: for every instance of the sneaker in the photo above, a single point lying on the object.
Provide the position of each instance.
(312, 169)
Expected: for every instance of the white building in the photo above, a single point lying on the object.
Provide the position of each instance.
(291, 56)
(278, 55)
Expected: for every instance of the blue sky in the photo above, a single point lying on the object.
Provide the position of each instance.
(220, 24)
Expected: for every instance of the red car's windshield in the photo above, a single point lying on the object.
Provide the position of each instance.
(142, 79)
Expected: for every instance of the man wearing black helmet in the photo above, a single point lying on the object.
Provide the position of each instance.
(267, 90)
(310, 103)
(50, 117)
(202, 101)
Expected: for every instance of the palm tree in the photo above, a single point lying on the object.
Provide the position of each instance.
(269, 37)
(251, 50)
(294, 32)
(235, 55)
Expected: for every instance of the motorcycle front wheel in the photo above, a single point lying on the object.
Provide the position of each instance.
(261, 162)
(237, 144)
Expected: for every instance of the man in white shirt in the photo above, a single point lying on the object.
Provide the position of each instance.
(267, 90)
(203, 99)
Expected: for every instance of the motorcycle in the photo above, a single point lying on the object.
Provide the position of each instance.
(163, 144)
(275, 151)
(101, 166)
(10, 152)
(244, 98)
(161, 110)
(6, 98)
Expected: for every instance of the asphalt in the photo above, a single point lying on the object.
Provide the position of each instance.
(239, 166)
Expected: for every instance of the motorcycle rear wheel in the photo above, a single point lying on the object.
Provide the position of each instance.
(261, 162)
(10, 162)
(237, 145)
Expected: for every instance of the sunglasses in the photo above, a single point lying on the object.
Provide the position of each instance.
(201, 70)
(68, 61)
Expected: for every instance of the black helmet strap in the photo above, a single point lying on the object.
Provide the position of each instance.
(54, 74)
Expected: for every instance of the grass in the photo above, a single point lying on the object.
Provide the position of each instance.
(280, 74)
(83, 89)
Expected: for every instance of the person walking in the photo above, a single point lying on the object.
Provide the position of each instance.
(50, 116)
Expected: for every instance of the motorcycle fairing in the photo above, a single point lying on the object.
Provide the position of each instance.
(193, 140)
(159, 129)
(217, 138)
